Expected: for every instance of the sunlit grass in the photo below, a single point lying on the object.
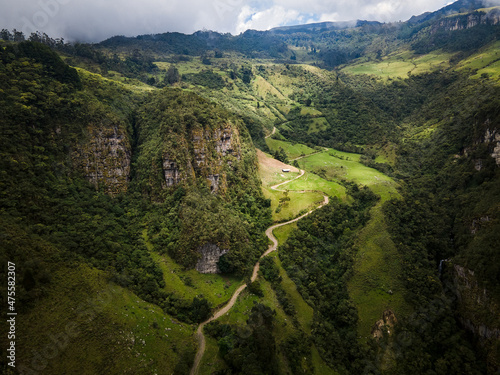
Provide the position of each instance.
(108, 322)
(292, 150)
(400, 65)
(338, 165)
(188, 284)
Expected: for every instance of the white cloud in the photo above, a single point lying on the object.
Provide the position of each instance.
(332, 17)
(382, 11)
(266, 19)
(491, 3)
(95, 20)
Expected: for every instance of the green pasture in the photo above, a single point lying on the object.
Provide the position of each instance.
(399, 65)
(338, 167)
(486, 61)
(188, 284)
(292, 150)
(109, 325)
(310, 111)
(313, 182)
(376, 284)
(298, 203)
(282, 233)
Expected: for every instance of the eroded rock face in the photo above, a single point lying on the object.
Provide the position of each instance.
(210, 254)
(211, 150)
(493, 137)
(478, 312)
(105, 158)
(386, 324)
(461, 22)
(171, 172)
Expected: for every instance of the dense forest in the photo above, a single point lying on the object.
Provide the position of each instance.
(137, 165)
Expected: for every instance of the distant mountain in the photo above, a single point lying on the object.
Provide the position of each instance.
(460, 6)
(320, 27)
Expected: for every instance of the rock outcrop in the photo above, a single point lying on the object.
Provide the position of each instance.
(210, 151)
(461, 22)
(171, 172)
(492, 137)
(478, 312)
(384, 325)
(105, 158)
(210, 254)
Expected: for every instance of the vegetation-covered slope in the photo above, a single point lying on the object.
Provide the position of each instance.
(110, 183)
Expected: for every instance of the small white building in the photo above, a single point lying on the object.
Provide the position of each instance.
(286, 170)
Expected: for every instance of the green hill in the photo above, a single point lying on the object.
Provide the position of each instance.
(133, 202)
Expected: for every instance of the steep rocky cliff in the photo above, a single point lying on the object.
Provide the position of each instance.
(183, 144)
(210, 255)
(478, 311)
(492, 139)
(209, 151)
(104, 157)
(193, 154)
(461, 21)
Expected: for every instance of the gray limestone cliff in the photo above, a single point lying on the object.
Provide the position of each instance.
(468, 21)
(210, 254)
(492, 137)
(104, 158)
(479, 312)
(207, 153)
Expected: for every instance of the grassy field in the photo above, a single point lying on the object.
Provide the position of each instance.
(112, 328)
(298, 203)
(399, 65)
(310, 111)
(292, 150)
(265, 89)
(270, 171)
(188, 284)
(337, 165)
(486, 61)
(374, 286)
(282, 233)
(313, 182)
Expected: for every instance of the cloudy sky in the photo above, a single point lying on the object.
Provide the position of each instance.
(95, 20)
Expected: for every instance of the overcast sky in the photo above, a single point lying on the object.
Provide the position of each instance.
(96, 20)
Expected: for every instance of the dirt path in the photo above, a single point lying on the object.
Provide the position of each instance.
(232, 301)
(274, 131)
(314, 153)
(275, 187)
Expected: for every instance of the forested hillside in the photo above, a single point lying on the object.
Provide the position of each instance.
(138, 181)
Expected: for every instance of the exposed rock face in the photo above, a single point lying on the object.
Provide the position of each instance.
(210, 255)
(385, 324)
(214, 182)
(493, 137)
(171, 172)
(105, 158)
(478, 312)
(461, 22)
(478, 223)
(210, 152)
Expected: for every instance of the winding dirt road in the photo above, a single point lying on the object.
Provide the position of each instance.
(274, 131)
(236, 294)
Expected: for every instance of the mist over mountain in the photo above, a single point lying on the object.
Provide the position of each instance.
(95, 21)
